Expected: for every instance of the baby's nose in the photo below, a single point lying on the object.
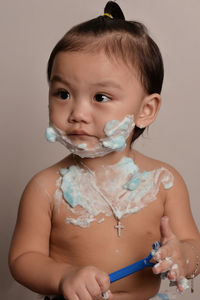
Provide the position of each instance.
(80, 112)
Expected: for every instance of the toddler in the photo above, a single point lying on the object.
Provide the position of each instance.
(103, 206)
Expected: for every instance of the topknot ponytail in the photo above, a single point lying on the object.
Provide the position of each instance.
(113, 9)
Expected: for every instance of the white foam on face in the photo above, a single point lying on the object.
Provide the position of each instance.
(126, 189)
(116, 134)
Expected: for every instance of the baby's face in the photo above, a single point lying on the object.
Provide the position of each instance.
(88, 90)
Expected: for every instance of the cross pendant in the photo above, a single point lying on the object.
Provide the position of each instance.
(119, 227)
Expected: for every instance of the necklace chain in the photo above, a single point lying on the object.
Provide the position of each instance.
(95, 188)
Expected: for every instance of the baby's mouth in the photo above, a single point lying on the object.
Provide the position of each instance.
(73, 136)
(80, 134)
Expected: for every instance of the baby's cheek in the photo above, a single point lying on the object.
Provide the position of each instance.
(58, 118)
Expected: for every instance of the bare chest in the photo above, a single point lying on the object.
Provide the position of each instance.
(99, 243)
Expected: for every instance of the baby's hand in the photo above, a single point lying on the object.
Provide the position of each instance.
(170, 257)
(87, 283)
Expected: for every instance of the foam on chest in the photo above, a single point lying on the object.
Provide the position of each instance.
(119, 190)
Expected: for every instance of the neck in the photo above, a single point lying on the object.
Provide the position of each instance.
(110, 159)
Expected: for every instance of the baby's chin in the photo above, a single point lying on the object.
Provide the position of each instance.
(86, 143)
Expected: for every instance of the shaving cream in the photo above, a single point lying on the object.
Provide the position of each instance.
(116, 134)
(127, 189)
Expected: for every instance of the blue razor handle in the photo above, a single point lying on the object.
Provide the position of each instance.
(135, 267)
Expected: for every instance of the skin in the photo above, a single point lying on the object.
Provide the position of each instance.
(51, 257)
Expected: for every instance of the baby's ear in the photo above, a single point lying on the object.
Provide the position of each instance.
(148, 111)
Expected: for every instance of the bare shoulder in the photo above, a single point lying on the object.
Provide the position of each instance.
(38, 195)
(45, 180)
(178, 190)
(147, 163)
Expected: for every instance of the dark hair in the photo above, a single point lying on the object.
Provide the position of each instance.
(128, 40)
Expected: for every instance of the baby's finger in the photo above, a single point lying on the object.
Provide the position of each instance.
(103, 281)
(163, 266)
(94, 289)
(182, 285)
(171, 275)
(83, 294)
(162, 253)
(175, 273)
(165, 230)
(107, 295)
(71, 296)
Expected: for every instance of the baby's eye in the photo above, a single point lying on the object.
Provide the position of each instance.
(101, 98)
(63, 94)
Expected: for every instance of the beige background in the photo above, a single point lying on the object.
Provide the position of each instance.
(30, 28)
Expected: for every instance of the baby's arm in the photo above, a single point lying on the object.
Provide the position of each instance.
(180, 251)
(29, 259)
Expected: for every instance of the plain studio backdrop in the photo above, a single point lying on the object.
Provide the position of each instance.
(29, 31)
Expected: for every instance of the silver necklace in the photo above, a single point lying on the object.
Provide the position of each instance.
(118, 226)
